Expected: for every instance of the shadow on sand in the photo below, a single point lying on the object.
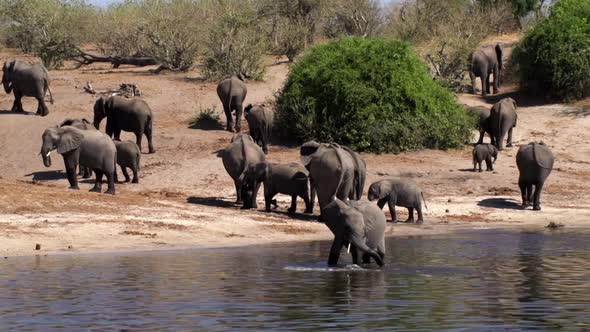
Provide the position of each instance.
(500, 203)
(211, 201)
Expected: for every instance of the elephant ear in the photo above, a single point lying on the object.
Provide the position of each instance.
(109, 104)
(543, 156)
(69, 140)
(307, 150)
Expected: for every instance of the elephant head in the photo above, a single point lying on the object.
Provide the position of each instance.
(308, 149)
(377, 191)
(64, 139)
(348, 225)
(259, 172)
(102, 108)
(7, 71)
(493, 150)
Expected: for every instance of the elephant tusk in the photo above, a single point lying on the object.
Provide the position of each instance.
(48, 153)
(349, 248)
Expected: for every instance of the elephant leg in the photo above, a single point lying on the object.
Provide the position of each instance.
(479, 164)
(148, 134)
(366, 258)
(228, 117)
(116, 175)
(81, 170)
(420, 215)
(117, 134)
(509, 143)
(42, 107)
(238, 192)
(239, 109)
(473, 78)
(135, 171)
(487, 84)
(354, 252)
(381, 249)
(268, 201)
(529, 195)
(391, 203)
(72, 178)
(87, 173)
(523, 192)
(481, 135)
(305, 197)
(496, 80)
(138, 139)
(17, 106)
(255, 194)
(71, 161)
(125, 174)
(489, 164)
(537, 196)
(98, 182)
(293, 207)
(335, 251)
(410, 215)
(312, 194)
(111, 182)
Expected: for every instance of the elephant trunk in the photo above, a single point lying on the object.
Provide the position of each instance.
(7, 85)
(360, 243)
(46, 157)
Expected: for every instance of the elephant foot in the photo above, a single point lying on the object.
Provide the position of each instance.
(127, 180)
(74, 188)
(480, 171)
(537, 208)
(239, 202)
(394, 221)
(135, 181)
(509, 145)
(409, 221)
(420, 221)
(110, 191)
(290, 210)
(308, 211)
(152, 150)
(95, 190)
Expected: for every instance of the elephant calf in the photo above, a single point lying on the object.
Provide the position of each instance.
(290, 179)
(260, 120)
(128, 156)
(485, 152)
(535, 162)
(360, 226)
(400, 192)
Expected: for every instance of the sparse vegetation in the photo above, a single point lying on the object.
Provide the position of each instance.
(555, 53)
(372, 95)
(207, 118)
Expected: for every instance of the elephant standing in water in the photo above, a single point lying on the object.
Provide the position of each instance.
(125, 114)
(503, 118)
(484, 62)
(237, 158)
(89, 148)
(232, 92)
(331, 171)
(535, 162)
(360, 226)
(26, 80)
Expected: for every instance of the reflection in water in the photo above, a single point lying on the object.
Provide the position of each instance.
(474, 281)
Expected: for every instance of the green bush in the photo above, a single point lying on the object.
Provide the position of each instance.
(374, 95)
(555, 54)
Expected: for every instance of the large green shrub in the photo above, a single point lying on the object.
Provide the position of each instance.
(555, 54)
(374, 95)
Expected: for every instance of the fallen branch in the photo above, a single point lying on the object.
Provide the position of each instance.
(84, 58)
(125, 89)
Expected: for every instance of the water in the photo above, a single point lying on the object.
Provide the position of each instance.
(475, 281)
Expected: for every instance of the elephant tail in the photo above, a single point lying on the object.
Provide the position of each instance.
(231, 81)
(49, 90)
(423, 200)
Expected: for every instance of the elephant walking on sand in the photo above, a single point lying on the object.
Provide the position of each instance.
(503, 118)
(331, 171)
(89, 148)
(125, 114)
(237, 158)
(232, 92)
(26, 80)
(484, 62)
(260, 120)
(81, 124)
(400, 192)
(535, 162)
(359, 226)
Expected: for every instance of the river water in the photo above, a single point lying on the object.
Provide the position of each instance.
(475, 281)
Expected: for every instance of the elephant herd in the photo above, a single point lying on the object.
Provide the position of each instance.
(334, 173)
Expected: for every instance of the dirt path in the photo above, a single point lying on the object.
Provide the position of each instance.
(184, 198)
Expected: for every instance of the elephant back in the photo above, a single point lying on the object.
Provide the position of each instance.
(240, 154)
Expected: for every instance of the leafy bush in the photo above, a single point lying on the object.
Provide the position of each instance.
(51, 29)
(371, 94)
(555, 54)
(207, 119)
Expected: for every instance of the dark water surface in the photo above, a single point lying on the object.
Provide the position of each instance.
(474, 281)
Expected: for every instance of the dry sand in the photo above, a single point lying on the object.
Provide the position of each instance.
(185, 198)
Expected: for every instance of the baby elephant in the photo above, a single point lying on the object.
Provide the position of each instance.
(485, 152)
(400, 192)
(289, 179)
(128, 156)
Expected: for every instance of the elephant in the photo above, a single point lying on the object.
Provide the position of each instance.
(483, 62)
(483, 124)
(331, 171)
(260, 120)
(127, 114)
(535, 162)
(237, 158)
(289, 179)
(89, 148)
(82, 124)
(360, 226)
(503, 118)
(128, 156)
(232, 92)
(360, 174)
(485, 152)
(400, 192)
(26, 80)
